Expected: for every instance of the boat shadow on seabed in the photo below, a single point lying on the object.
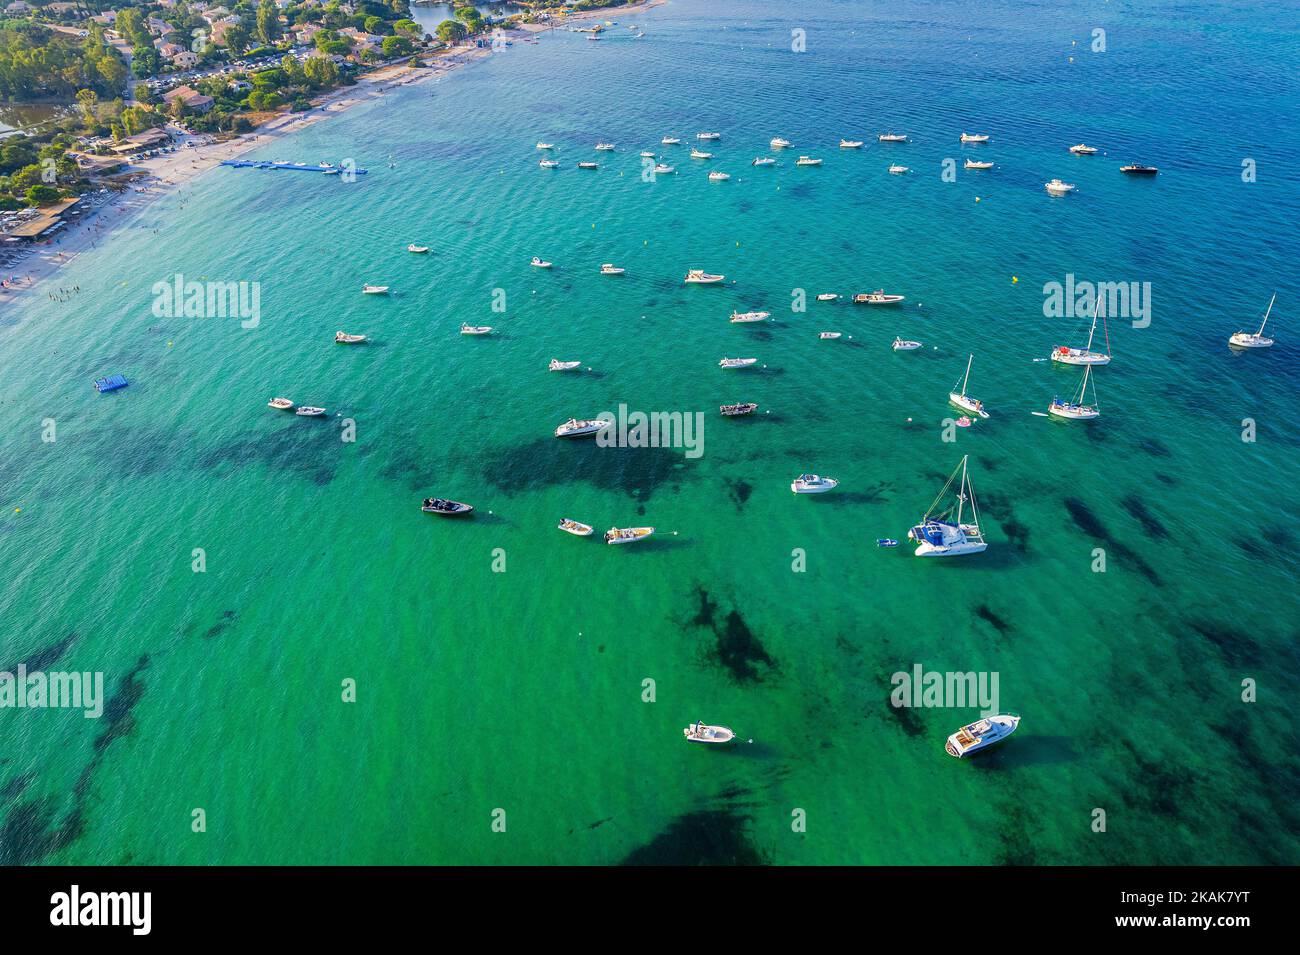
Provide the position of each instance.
(1029, 751)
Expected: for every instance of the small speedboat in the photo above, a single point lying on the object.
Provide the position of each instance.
(374, 290)
(700, 154)
(807, 161)
(545, 146)
(739, 318)
(974, 138)
(573, 428)
(439, 505)
(647, 154)
(280, 404)
(557, 365)
(701, 732)
(663, 169)
(736, 410)
(779, 143)
(539, 263)
(708, 136)
(813, 484)
(342, 338)
(1082, 150)
(1138, 170)
(737, 362)
(829, 335)
(610, 269)
(892, 138)
(764, 161)
(417, 249)
(850, 144)
(897, 170)
(827, 297)
(717, 176)
(701, 277)
(604, 147)
(307, 411)
(903, 344)
(671, 141)
(878, 297)
(1254, 339)
(976, 164)
(476, 329)
(588, 165)
(549, 164)
(627, 535)
(980, 735)
(1058, 188)
(577, 528)
(886, 542)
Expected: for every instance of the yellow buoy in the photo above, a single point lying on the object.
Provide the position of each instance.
(1014, 280)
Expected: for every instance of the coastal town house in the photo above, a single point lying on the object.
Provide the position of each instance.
(185, 59)
(189, 97)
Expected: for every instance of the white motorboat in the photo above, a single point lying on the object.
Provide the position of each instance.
(827, 296)
(577, 528)
(904, 344)
(557, 365)
(708, 136)
(1065, 355)
(588, 165)
(701, 732)
(1082, 150)
(940, 534)
(574, 428)
(974, 138)
(964, 401)
(977, 164)
(701, 277)
(475, 329)
(545, 145)
(610, 269)
(982, 734)
(374, 290)
(663, 169)
(647, 154)
(896, 170)
(604, 147)
(779, 143)
(549, 164)
(878, 297)
(444, 507)
(280, 404)
(740, 318)
(736, 410)
(307, 411)
(342, 338)
(417, 249)
(829, 335)
(700, 154)
(892, 138)
(807, 161)
(737, 362)
(1058, 188)
(813, 484)
(717, 176)
(540, 263)
(763, 161)
(1257, 339)
(1077, 409)
(671, 141)
(627, 535)
(850, 144)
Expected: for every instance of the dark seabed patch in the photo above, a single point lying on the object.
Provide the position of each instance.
(1237, 647)
(740, 490)
(705, 837)
(1154, 448)
(548, 462)
(1138, 508)
(227, 617)
(43, 659)
(1092, 525)
(1018, 534)
(299, 448)
(907, 719)
(736, 647)
(985, 613)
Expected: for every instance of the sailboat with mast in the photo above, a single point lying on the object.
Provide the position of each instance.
(965, 401)
(943, 534)
(1078, 409)
(1086, 356)
(1257, 340)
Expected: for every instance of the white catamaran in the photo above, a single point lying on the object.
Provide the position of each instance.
(965, 401)
(941, 535)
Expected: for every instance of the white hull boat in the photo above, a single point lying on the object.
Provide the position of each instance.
(716, 176)
(764, 161)
(663, 169)
(878, 297)
(1257, 339)
(701, 732)
(942, 534)
(899, 170)
(417, 249)
(307, 411)
(1082, 150)
(903, 344)
(549, 164)
(976, 164)
(280, 404)
(342, 338)
(850, 144)
(444, 507)
(588, 165)
(892, 138)
(700, 154)
(701, 277)
(829, 335)
(982, 734)
(608, 269)
(1078, 409)
(1058, 188)
(573, 428)
(1064, 355)
(647, 154)
(540, 263)
(576, 528)
(743, 317)
(964, 401)
(780, 143)
(827, 297)
(476, 329)
(627, 535)
(671, 141)
(557, 365)
(813, 484)
(604, 147)
(974, 138)
(708, 136)
(374, 290)
(737, 362)
(807, 161)
(545, 146)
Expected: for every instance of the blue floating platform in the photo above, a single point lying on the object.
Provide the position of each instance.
(295, 166)
(110, 383)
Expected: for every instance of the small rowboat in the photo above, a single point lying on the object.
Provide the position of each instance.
(557, 365)
(742, 317)
(307, 411)
(902, 344)
(418, 249)
(733, 411)
(577, 528)
(627, 535)
(736, 362)
(701, 732)
(438, 505)
(374, 290)
(280, 404)
(342, 338)
(825, 335)
(476, 329)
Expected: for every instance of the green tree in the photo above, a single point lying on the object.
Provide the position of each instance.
(408, 27)
(41, 195)
(268, 22)
(451, 31)
(321, 72)
(236, 38)
(87, 100)
(396, 46)
(374, 25)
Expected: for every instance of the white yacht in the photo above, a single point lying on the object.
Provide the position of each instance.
(878, 297)
(807, 161)
(829, 335)
(964, 401)
(307, 411)
(701, 732)
(813, 484)
(1058, 188)
(764, 161)
(1077, 409)
(573, 428)
(850, 144)
(779, 143)
(663, 169)
(701, 277)
(1082, 150)
(671, 141)
(541, 145)
(557, 365)
(627, 535)
(892, 138)
(700, 154)
(940, 534)
(374, 290)
(1257, 339)
(540, 263)
(647, 154)
(742, 317)
(708, 136)
(475, 329)
(1066, 355)
(610, 269)
(897, 170)
(717, 176)
(904, 344)
(974, 138)
(417, 249)
(604, 147)
(549, 164)
(736, 362)
(827, 296)
(982, 734)
(977, 164)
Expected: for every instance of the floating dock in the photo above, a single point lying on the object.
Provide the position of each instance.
(298, 166)
(110, 383)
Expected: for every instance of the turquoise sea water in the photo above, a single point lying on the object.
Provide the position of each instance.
(522, 690)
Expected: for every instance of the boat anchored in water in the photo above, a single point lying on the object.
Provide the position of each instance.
(1065, 355)
(763, 161)
(701, 732)
(736, 410)
(708, 136)
(982, 734)
(539, 263)
(850, 144)
(577, 528)
(1078, 409)
(892, 138)
(343, 338)
(1257, 339)
(742, 317)
(701, 277)
(545, 145)
(964, 401)
(663, 169)
(671, 141)
(280, 404)
(878, 297)
(897, 170)
(475, 329)
(736, 362)
(588, 165)
(1058, 188)
(779, 143)
(807, 161)
(604, 147)
(1136, 169)
(444, 507)
(1083, 150)
(374, 290)
(828, 335)
(627, 535)
(549, 164)
(717, 176)
(557, 365)
(827, 297)
(417, 249)
(976, 164)
(307, 411)
(813, 484)
(610, 268)
(974, 138)
(574, 428)
(904, 344)
(700, 154)
(940, 534)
